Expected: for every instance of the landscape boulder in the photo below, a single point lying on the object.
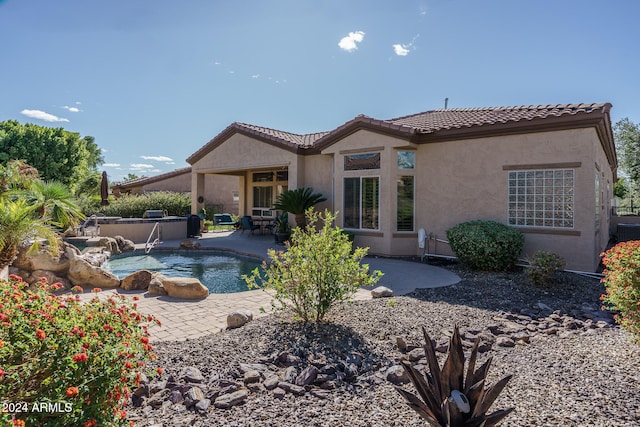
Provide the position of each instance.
(156, 287)
(44, 260)
(82, 273)
(185, 288)
(137, 281)
(238, 318)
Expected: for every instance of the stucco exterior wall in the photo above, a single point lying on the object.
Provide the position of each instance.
(364, 141)
(318, 174)
(460, 181)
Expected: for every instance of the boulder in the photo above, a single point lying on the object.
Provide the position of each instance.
(185, 288)
(82, 273)
(44, 260)
(110, 244)
(137, 281)
(381, 292)
(156, 286)
(190, 244)
(124, 244)
(238, 318)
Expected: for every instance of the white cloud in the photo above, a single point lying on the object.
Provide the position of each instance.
(41, 115)
(158, 158)
(78, 103)
(348, 43)
(401, 50)
(140, 166)
(111, 165)
(72, 109)
(255, 76)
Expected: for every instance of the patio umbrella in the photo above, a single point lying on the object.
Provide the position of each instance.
(104, 190)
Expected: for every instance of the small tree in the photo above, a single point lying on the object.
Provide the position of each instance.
(318, 270)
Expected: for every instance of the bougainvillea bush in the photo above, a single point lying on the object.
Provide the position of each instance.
(67, 362)
(622, 281)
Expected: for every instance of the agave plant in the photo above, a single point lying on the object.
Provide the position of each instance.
(447, 397)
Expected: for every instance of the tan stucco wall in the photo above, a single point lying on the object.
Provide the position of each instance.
(234, 160)
(318, 174)
(378, 241)
(139, 232)
(465, 180)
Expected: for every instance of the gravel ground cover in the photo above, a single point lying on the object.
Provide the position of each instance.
(572, 366)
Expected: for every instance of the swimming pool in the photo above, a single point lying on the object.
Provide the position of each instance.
(220, 272)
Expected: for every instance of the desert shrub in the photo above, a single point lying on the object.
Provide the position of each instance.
(80, 357)
(486, 245)
(133, 206)
(543, 267)
(317, 270)
(622, 281)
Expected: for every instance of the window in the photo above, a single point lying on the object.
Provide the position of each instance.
(406, 160)
(361, 202)
(262, 197)
(541, 198)
(597, 185)
(362, 161)
(404, 220)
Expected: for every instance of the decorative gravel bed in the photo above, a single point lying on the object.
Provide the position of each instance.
(572, 366)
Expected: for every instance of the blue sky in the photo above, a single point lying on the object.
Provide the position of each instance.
(154, 80)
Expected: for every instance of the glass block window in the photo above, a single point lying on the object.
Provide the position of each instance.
(406, 160)
(356, 162)
(541, 198)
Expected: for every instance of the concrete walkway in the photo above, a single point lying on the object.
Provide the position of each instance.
(183, 319)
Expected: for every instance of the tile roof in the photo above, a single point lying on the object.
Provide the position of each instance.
(440, 124)
(150, 179)
(456, 118)
(303, 141)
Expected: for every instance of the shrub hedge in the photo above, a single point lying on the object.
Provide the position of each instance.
(486, 245)
(133, 206)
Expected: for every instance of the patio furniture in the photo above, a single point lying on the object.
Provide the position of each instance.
(247, 224)
(224, 219)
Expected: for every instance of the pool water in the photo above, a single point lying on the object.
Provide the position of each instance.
(220, 272)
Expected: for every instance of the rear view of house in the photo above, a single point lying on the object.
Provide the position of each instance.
(547, 170)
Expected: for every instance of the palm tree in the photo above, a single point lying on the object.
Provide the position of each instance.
(54, 203)
(297, 202)
(20, 224)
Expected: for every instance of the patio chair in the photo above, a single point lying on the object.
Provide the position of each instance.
(247, 224)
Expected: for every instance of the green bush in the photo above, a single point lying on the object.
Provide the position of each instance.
(486, 245)
(622, 281)
(317, 270)
(543, 267)
(133, 206)
(83, 356)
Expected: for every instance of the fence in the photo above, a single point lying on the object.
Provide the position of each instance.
(625, 210)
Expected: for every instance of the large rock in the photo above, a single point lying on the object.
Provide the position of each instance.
(44, 260)
(110, 244)
(82, 273)
(239, 318)
(185, 288)
(124, 244)
(156, 286)
(137, 281)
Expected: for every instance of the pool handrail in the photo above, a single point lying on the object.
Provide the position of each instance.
(147, 246)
